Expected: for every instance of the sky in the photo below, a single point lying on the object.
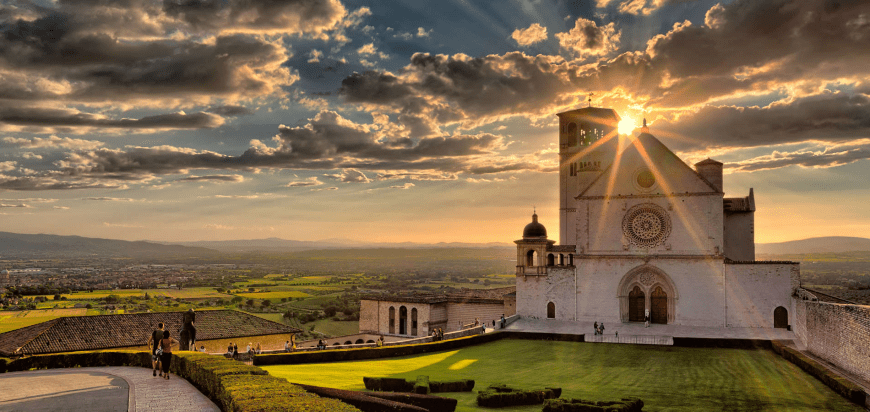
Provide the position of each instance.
(387, 121)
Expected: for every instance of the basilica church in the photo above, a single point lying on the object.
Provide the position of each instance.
(644, 235)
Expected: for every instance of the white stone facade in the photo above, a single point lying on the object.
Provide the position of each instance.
(644, 234)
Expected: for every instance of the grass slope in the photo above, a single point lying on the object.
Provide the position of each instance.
(666, 378)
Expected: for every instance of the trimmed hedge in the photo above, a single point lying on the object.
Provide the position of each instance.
(839, 384)
(388, 384)
(233, 386)
(430, 402)
(362, 400)
(722, 343)
(465, 385)
(499, 395)
(421, 387)
(402, 385)
(580, 405)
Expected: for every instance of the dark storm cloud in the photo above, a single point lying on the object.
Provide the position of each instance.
(57, 117)
(286, 16)
(213, 178)
(828, 157)
(328, 141)
(82, 61)
(454, 88)
(744, 46)
(231, 111)
(830, 116)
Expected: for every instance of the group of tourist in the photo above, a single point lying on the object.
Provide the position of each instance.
(161, 342)
(290, 345)
(599, 328)
(437, 334)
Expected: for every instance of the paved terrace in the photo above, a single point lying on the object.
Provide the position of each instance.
(102, 389)
(645, 334)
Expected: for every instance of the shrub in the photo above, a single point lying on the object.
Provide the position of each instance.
(388, 384)
(580, 405)
(362, 400)
(430, 402)
(465, 385)
(422, 385)
(497, 396)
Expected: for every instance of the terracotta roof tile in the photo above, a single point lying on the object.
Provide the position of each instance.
(78, 333)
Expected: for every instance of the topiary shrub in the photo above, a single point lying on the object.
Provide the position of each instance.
(500, 395)
(580, 405)
(465, 385)
(388, 384)
(429, 402)
(421, 387)
(362, 400)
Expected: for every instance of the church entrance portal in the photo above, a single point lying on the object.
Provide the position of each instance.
(636, 305)
(780, 317)
(551, 310)
(403, 320)
(644, 290)
(658, 306)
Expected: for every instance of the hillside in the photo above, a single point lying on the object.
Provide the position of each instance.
(815, 245)
(18, 245)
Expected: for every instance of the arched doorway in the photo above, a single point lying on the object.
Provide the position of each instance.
(403, 320)
(636, 305)
(658, 311)
(392, 320)
(551, 310)
(551, 260)
(530, 258)
(780, 317)
(414, 321)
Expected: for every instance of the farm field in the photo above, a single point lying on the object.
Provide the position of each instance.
(18, 319)
(191, 293)
(274, 295)
(665, 378)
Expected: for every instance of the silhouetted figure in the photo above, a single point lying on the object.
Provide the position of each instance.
(188, 340)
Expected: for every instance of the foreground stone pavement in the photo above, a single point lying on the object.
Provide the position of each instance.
(104, 389)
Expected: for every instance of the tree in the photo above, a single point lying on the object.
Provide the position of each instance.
(266, 303)
(112, 299)
(57, 297)
(330, 311)
(147, 296)
(236, 299)
(89, 306)
(250, 302)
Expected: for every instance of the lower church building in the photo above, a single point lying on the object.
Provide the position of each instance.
(643, 234)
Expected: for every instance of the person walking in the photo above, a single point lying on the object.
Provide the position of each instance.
(287, 346)
(154, 343)
(259, 348)
(166, 358)
(595, 325)
(601, 328)
(235, 351)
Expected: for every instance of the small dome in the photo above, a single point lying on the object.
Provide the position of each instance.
(534, 229)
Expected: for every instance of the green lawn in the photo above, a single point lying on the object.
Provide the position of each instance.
(332, 328)
(666, 378)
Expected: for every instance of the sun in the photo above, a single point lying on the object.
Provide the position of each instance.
(626, 125)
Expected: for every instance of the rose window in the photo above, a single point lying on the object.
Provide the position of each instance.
(646, 225)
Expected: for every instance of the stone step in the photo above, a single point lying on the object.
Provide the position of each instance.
(632, 339)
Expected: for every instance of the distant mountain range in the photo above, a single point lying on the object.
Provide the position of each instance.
(273, 245)
(56, 246)
(827, 244)
(22, 245)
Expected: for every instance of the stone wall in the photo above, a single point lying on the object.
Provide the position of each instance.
(459, 314)
(754, 290)
(837, 333)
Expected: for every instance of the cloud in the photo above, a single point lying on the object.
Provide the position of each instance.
(60, 207)
(637, 7)
(314, 56)
(30, 155)
(588, 39)
(421, 32)
(110, 199)
(350, 176)
(371, 50)
(405, 186)
(258, 16)
(827, 116)
(231, 111)
(236, 196)
(16, 205)
(324, 188)
(72, 118)
(417, 176)
(8, 166)
(826, 157)
(53, 182)
(531, 35)
(213, 178)
(218, 227)
(123, 225)
(52, 142)
(311, 181)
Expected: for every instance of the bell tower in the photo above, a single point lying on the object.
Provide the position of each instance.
(588, 143)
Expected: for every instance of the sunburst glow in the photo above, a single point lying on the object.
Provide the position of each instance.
(626, 125)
